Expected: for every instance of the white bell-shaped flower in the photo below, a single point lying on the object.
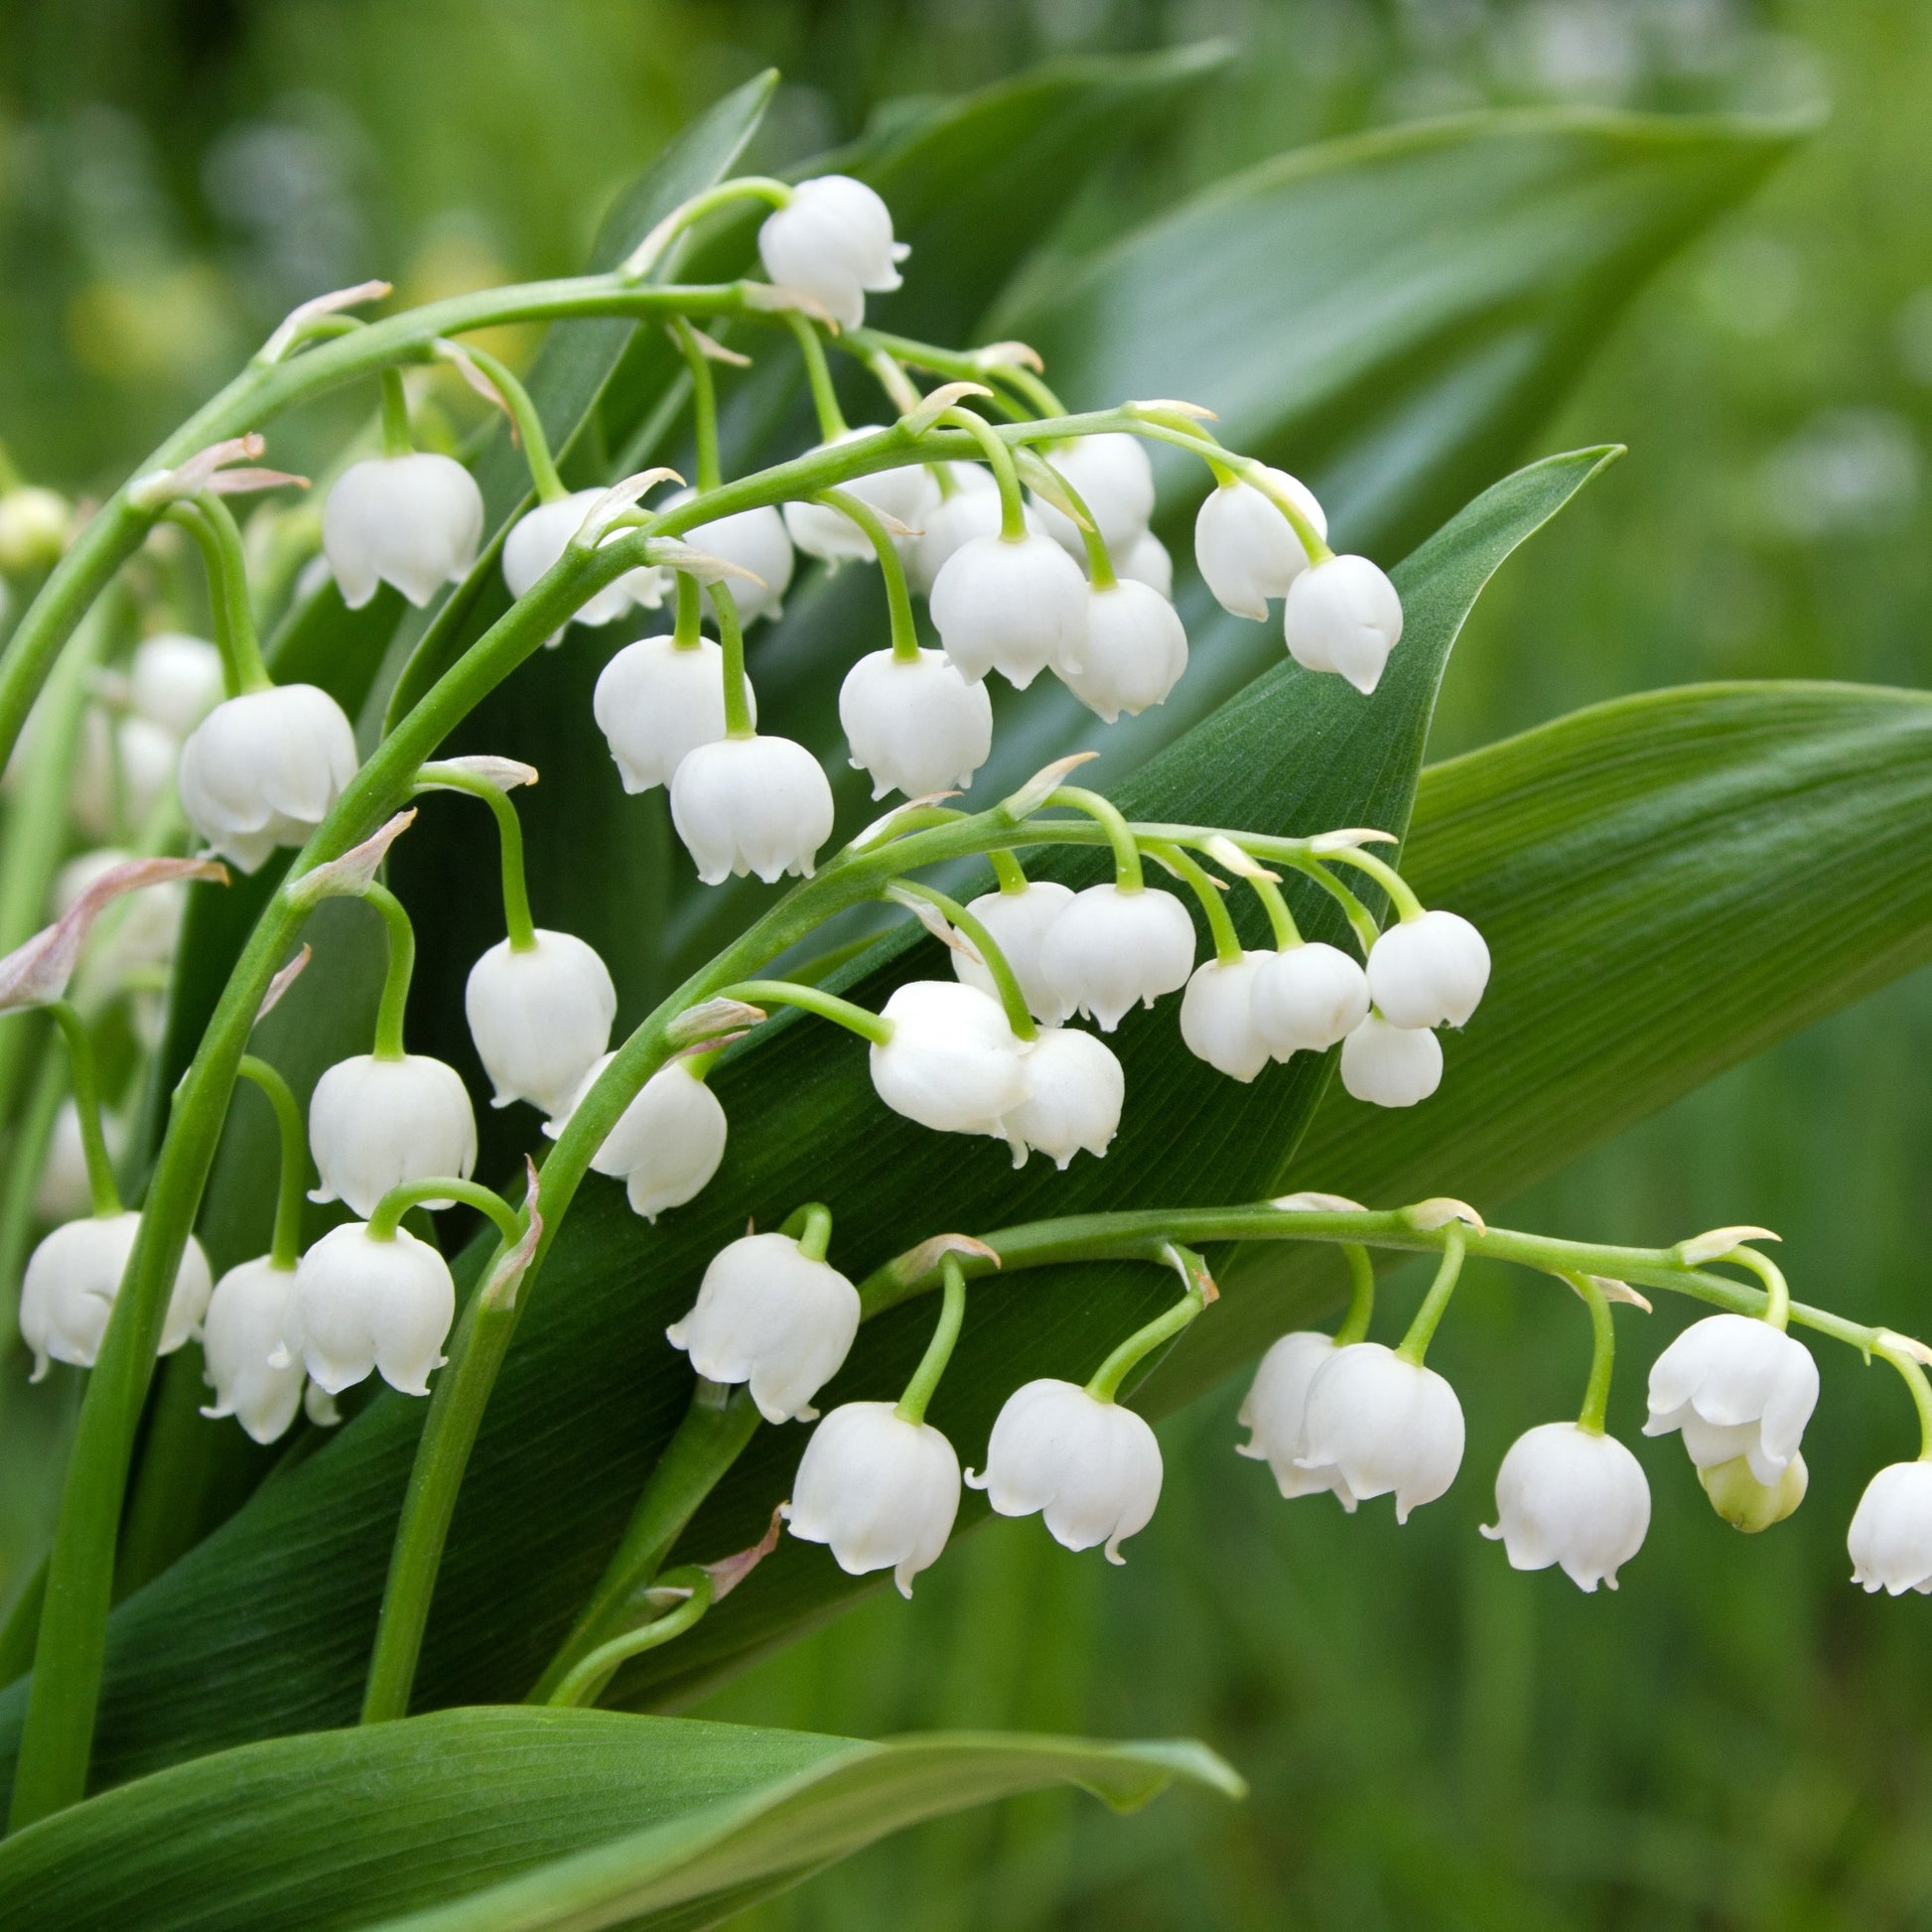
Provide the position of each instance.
(541, 536)
(952, 1063)
(971, 509)
(1133, 654)
(175, 681)
(1147, 562)
(123, 768)
(1015, 607)
(1078, 1088)
(1890, 1540)
(63, 1191)
(1307, 997)
(769, 1315)
(752, 804)
(140, 929)
(833, 242)
(247, 1323)
(1275, 1410)
(666, 1144)
(1343, 615)
(1017, 922)
(1391, 1066)
(1377, 1424)
(67, 1291)
(907, 495)
(1429, 972)
(1574, 1496)
(263, 769)
(539, 1018)
(1090, 1468)
(1217, 1021)
(880, 1491)
(415, 521)
(915, 725)
(374, 1123)
(1112, 476)
(360, 1304)
(656, 703)
(1246, 549)
(1734, 1386)
(755, 540)
(1110, 948)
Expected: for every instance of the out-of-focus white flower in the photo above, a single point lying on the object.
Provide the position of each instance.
(666, 1144)
(414, 521)
(1217, 1023)
(1016, 606)
(1275, 1410)
(1574, 1496)
(952, 1063)
(1429, 972)
(752, 804)
(1343, 615)
(67, 1291)
(907, 494)
(754, 540)
(63, 1192)
(1017, 922)
(769, 1314)
(1375, 1423)
(247, 1323)
(540, 536)
(1111, 475)
(175, 681)
(362, 1303)
(34, 528)
(1091, 1468)
(1247, 550)
(374, 1123)
(1890, 1540)
(656, 704)
(122, 768)
(1077, 1090)
(1307, 997)
(263, 769)
(1132, 653)
(1391, 1066)
(880, 1491)
(1734, 1386)
(915, 725)
(1147, 562)
(1110, 948)
(834, 243)
(139, 931)
(540, 1016)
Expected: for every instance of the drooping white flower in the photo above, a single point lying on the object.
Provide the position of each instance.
(880, 1491)
(139, 930)
(1017, 922)
(1391, 1066)
(915, 725)
(1343, 615)
(754, 540)
(374, 1123)
(1110, 948)
(247, 1323)
(1147, 562)
(1077, 1090)
(1112, 476)
(1377, 1424)
(1275, 1410)
(1133, 654)
(1429, 972)
(952, 1063)
(1091, 1468)
(263, 769)
(905, 494)
(540, 1016)
(175, 681)
(833, 242)
(1890, 1540)
(752, 804)
(1734, 1386)
(360, 1304)
(415, 521)
(1247, 550)
(666, 1144)
(656, 703)
(63, 1192)
(972, 509)
(540, 536)
(769, 1315)
(1014, 606)
(67, 1291)
(1574, 1496)
(122, 769)
(1217, 1022)
(1307, 997)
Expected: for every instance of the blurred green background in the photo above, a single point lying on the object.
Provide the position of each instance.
(1733, 1739)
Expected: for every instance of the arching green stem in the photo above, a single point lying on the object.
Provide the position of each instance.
(1602, 1352)
(396, 439)
(523, 413)
(1008, 870)
(730, 638)
(1361, 1294)
(397, 1202)
(209, 520)
(898, 599)
(999, 458)
(286, 1246)
(1422, 1331)
(1279, 920)
(1361, 921)
(395, 980)
(1256, 476)
(1019, 1015)
(811, 1227)
(650, 251)
(1407, 905)
(685, 632)
(704, 402)
(1778, 1307)
(892, 377)
(811, 999)
(1111, 1373)
(1100, 566)
(1221, 922)
(1916, 1386)
(939, 1351)
(825, 401)
(1127, 854)
(86, 1087)
(587, 1679)
(510, 838)
(1018, 377)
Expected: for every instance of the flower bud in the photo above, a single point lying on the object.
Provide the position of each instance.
(752, 804)
(374, 1123)
(1111, 947)
(34, 525)
(769, 1315)
(1247, 549)
(415, 521)
(656, 703)
(834, 243)
(1391, 1066)
(1734, 1386)
(1015, 607)
(1147, 562)
(1343, 615)
(952, 1063)
(972, 510)
(1276, 1409)
(1217, 1023)
(1747, 1504)
(1078, 1088)
(175, 681)
(263, 769)
(1133, 654)
(63, 1192)
(907, 494)
(754, 540)
(1429, 972)
(1890, 1540)
(539, 1018)
(123, 768)
(246, 1324)
(882, 1491)
(1574, 1496)
(1307, 997)
(1112, 476)
(916, 726)
(1091, 1468)
(666, 1144)
(1017, 922)
(540, 537)
(360, 1304)
(1376, 1423)
(72, 1277)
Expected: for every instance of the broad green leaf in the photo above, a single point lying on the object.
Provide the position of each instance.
(265, 1627)
(523, 1816)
